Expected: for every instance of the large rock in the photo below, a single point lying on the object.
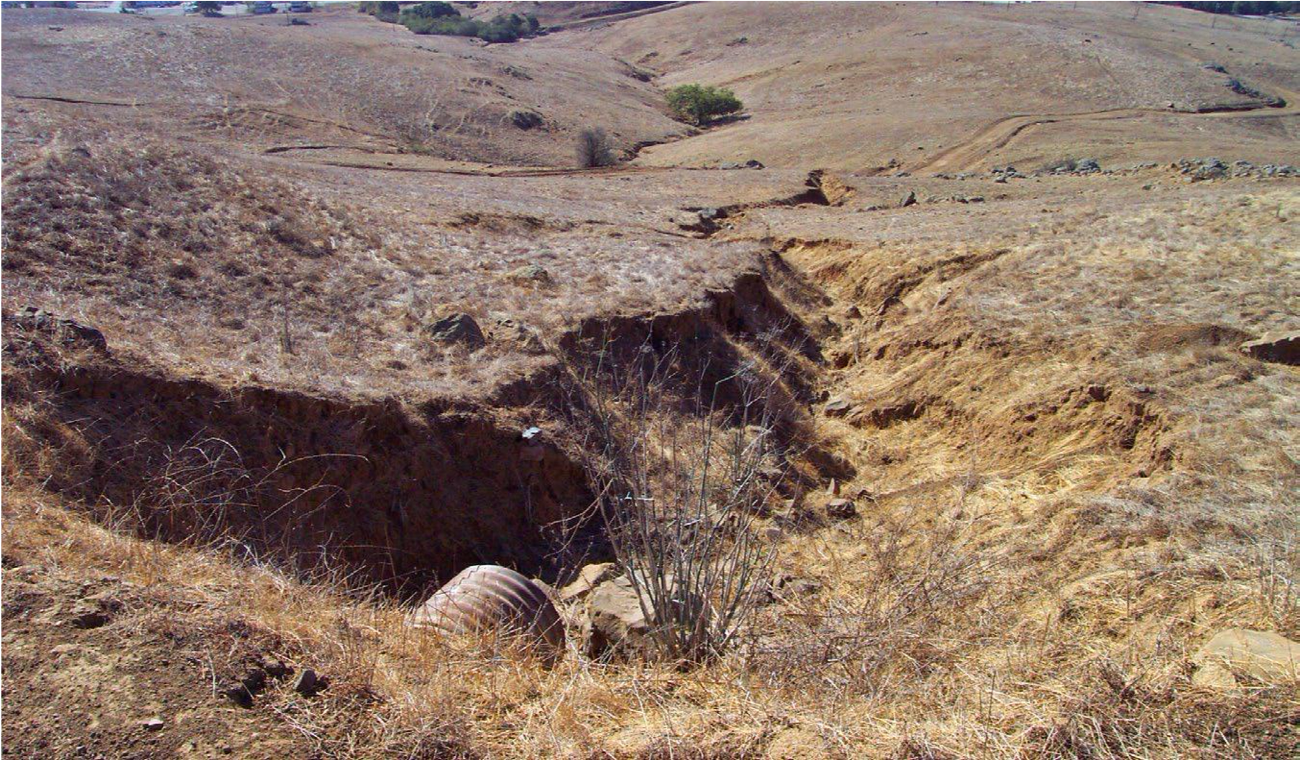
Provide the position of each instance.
(1259, 655)
(456, 328)
(588, 579)
(614, 624)
(1281, 348)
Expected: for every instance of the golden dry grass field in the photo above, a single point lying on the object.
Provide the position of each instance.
(279, 301)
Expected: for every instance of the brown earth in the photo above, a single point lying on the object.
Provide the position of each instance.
(233, 433)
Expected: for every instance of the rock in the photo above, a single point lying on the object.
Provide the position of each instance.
(730, 165)
(614, 624)
(753, 164)
(793, 585)
(456, 328)
(588, 578)
(526, 119)
(841, 509)
(94, 611)
(1280, 348)
(249, 686)
(704, 220)
(307, 683)
(510, 330)
(837, 407)
(908, 200)
(1260, 655)
(1204, 169)
(152, 724)
(88, 616)
(69, 332)
(529, 273)
(273, 667)
(1087, 166)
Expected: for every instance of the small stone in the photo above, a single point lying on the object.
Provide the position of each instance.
(908, 200)
(794, 585)
(153, 724)
(529, 273)
(273, 667)
(307, 683)
(836, 407)
(242, 693)
(841, 509)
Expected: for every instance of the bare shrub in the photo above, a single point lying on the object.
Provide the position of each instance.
(678, 493)
(595, 148)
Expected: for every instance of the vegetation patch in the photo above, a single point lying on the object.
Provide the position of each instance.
(441, 18)
(1239, 8)
(701, 104)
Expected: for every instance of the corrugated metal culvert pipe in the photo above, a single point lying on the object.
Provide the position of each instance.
(491, 597)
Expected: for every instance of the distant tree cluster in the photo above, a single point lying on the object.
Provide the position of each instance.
(442, 18)
(1270, 8)
(382, 11)
(700, 104)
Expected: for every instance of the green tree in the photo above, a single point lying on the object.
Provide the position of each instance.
(429, 10)
(700, 104)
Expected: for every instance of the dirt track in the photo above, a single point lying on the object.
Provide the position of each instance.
(971, 153)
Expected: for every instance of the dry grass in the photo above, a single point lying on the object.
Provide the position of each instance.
(204, 264)
(922, 81)
(346, 79)
(912, 663)
(1065, 480)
